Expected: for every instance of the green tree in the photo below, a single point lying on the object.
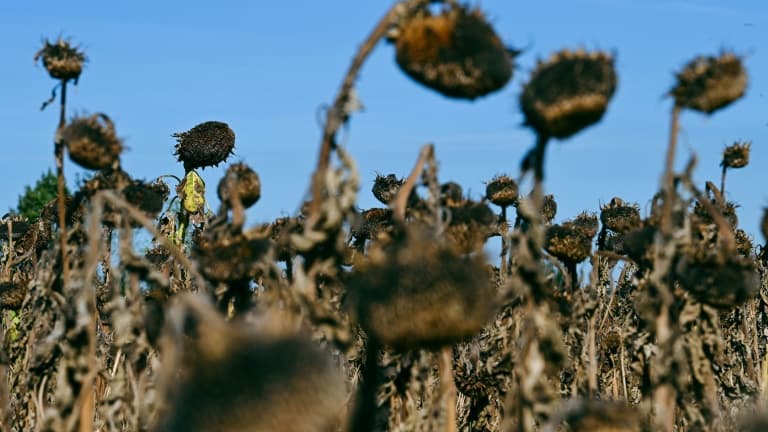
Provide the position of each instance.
(35, 198)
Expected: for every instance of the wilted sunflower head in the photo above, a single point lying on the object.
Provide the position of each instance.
(456, 53)
(743, 242)
(62, 60)
(246, 184)
(421, 294)
(234, 377)
(370, 223)
(225, 256)
(568, 92)
(451, 194)
(471, 223)
(14, 288)
(385, 187)
(92, 142)
(502, 190)
(207, 144)
(568, 243)
(736, 155)
(727, 210)
(717, 278)
(148, 197)
(709, 83)
(620, 217)
(586, 223)
(13, 227)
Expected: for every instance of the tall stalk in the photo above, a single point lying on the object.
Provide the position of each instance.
(58, 154)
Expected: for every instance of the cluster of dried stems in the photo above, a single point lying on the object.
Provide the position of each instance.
(388, 318)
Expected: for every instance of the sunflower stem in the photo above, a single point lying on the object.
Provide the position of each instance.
(338, 114)
(364, 419)
(669, 174)
(722, 180)
(62, 209)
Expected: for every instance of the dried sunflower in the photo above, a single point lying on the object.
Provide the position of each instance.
(207, 144)
(620, 217)
(247, 185)
(385, 187)
(62, 60)
(456, 53)
(252, 383)
(568, 92)
(502, 190)
(568, 243)
(736, 155)
(229, 257)
(717, 278)
(421, 294)
(91, 142)
(709, 83)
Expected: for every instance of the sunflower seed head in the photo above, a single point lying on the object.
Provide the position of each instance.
(62, 60)
(709, 83)
(456, 53)
(207, 144)
(568, 92)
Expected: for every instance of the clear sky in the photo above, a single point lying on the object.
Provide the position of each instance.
(161, 67)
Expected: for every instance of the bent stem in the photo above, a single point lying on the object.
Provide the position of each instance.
(722, 180)
(338, 114)
(448, 388)
(401, 199)
(58, 153)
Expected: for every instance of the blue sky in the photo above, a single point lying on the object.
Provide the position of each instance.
(266, 67)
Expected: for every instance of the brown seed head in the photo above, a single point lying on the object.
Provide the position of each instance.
(229, 257)
(708, 84)
(568, 243)
(385, 188)
(147, 197)
(728, 210)
(736, 155)
(549, 208)
(743, 242)
(638, 245)
(568, 92)
(207, 144)
(620, 217)
(256, 384)
(421, 294)
(19, 225)
(13, 289)
(451, 194)
(92, 142)
(247, 185)
(502, 191)
(719, 279)
(371, 221)
(585, 223)
(470, 225)
(456, 53)
(62, 60)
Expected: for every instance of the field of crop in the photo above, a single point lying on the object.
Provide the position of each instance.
(396, 317)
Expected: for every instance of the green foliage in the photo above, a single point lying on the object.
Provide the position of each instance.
(35, 198)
